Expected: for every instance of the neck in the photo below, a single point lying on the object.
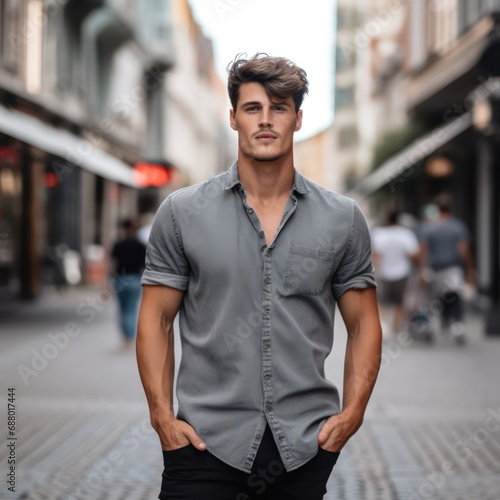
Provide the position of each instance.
(266, 180)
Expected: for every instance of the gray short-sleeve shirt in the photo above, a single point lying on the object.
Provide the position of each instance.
(256, 322)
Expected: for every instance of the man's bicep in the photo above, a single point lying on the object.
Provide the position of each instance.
(160, 303)
(356, 305)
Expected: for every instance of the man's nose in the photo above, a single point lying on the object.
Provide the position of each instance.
(265, 118)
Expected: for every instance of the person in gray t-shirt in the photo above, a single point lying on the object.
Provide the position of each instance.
(255, 260)
(446, 254)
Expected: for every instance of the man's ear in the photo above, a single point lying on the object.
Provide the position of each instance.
(232, 120)
(298, 121)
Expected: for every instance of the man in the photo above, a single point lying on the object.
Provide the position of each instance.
(395, 249)
(255, 260)
(128, 255)
(446, 253)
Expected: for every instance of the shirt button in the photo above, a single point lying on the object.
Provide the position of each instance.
(268, 409)
(257, 436)
(267, 346)
(267, 279)
(250, 210)
(267, 377)
(281, 437)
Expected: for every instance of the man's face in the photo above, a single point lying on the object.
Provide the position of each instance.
(265, 124)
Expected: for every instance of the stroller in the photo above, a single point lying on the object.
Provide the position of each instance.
(419, 315)
(442, 298)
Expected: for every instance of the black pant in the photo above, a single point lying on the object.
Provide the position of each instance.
(452, 308)
(190, 474)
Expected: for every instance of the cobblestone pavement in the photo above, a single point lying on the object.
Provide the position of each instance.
(432, 430)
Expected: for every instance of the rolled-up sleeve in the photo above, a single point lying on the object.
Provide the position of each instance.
(166, 262)
(356, 267)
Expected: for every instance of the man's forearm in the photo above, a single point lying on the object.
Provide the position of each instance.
(155, 359)
(362, 364)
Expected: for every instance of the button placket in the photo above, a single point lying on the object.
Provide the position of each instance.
(266, 351)
(251, 214)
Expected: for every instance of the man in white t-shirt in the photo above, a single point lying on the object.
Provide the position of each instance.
(395, 248)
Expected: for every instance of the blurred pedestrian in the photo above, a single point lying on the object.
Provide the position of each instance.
(395, 250)
(129, 256)
(255, 260)
(447, 259)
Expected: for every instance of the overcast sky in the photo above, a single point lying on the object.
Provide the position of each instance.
(301, 30)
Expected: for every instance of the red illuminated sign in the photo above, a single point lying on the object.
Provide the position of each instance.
(50, 179)
(152, 174)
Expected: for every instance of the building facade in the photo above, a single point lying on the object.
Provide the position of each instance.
(447, 83)
(89, 91)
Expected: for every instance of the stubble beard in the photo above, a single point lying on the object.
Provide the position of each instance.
(267, 158)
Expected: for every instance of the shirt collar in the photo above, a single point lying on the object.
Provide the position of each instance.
(232, 179)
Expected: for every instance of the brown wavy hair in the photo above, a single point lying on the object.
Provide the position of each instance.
(279, 76)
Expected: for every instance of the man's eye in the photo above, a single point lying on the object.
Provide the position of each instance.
(253, 108)
(279, 108)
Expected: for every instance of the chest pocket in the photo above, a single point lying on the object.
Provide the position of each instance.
(307, 269)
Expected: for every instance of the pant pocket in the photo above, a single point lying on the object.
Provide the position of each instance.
(330, 457)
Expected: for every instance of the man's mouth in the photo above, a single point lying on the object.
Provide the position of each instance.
(265, 137)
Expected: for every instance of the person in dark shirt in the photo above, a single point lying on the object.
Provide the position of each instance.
(129, 256)
(447, 257)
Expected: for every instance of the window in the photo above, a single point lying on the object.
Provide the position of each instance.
(346, 18)
(345, 57)
(442, 25)
(344, 97)
(461, 16)
(473, 12)
(34, 39)
(12, 41)
(468, 12)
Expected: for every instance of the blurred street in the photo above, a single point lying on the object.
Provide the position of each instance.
(108, 107)
(432, 429)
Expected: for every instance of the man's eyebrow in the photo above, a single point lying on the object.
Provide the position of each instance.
(280, 103)
(251, 103)
(273, 103)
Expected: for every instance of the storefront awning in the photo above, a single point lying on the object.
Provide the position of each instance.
(59, 142)
(396, 168)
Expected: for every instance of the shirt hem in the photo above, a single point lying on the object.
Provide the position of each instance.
(216, 455)
(249, 471)
(304, 462)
